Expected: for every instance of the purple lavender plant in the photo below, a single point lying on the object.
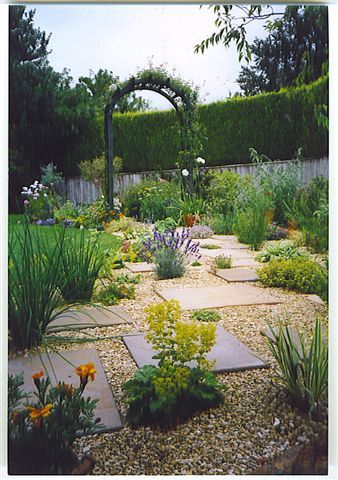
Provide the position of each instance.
(176, 241)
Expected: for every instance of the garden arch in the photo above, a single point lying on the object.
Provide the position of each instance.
(181, 96)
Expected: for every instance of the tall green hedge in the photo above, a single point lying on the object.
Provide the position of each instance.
(275, 124)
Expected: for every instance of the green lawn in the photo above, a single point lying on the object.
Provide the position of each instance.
(108, 241)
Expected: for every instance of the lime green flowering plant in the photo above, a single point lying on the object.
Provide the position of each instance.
(171, 392)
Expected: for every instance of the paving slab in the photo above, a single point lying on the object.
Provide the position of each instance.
(237, 275)
(140, 267)
(194, 298)
(315, 298)
(234, 253)
(245, 262)
(98, 389)
(293, 333)
(229, 354)
(89, 317)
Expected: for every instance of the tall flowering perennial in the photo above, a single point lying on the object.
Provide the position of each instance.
(39, 201)
(172, 240)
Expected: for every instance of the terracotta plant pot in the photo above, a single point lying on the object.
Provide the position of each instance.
(292, 226)
(270, 213)
(189, 220)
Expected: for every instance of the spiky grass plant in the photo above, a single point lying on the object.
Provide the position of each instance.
(81, 261)
(303, 368)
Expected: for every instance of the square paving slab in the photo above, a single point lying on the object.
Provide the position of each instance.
(194, 298)
(140, 267)
(245, 262)
(89, 317)
(98, 389)
(229, 353)
(237, 275)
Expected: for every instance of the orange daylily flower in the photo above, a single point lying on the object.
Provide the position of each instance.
(37, 375)
(85, 371)
(36, 413)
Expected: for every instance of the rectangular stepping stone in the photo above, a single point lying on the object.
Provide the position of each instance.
(315, 298)
(140, 267)
(245, 262)
(229, 353)
(98, 389)
(195, 298)
(237, 275)
(89, 317)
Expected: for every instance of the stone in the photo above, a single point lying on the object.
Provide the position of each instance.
(229, 353)
(195, 298)
(315, 298)
(237, 275)
(89, 317)
(245, 262)
(98, 389)
(140, 267)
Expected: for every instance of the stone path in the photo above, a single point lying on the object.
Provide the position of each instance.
(140, 267)
(89, 317)
(98, 389)
(194, 298)
(237, 275)
(229, 354)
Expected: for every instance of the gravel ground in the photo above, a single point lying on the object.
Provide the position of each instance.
(234, 438)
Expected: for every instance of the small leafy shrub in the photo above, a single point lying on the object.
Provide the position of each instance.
(98, 213)
(151, 200)
(223, 190)
(40, 201)
(164, 225)
(276, 232)
(128, 226)
(210, 246)
(40, 435)
(196, 264)
(115, 291)
(299, 274)
(95, 170)
(205, 315)
(200, 231)
(172, 392)
(50, 175)
(222, 262)
(285, 250)
(303, 372)
(170, 252)
(81, 262)
(67, 211)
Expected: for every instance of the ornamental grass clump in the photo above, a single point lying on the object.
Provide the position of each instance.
(81, 261)
(173, 391)
(41, 431)
(303, 368)
(170, 252)
(34, 274)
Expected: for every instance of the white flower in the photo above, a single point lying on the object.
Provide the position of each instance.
(36, 182)
(41, 186)
(25, 189)
(185, 172)
(81, 227)
(29, 192)
(45, 195)
(200, 160)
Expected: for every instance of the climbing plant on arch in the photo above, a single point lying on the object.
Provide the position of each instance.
(184, 100)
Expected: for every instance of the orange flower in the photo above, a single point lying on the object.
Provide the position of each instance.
(36, 413)
(38, 375)
(85, 371)
(68, 389)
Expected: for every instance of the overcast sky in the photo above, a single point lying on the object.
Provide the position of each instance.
(124, 38)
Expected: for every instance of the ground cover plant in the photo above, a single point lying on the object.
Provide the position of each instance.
(205, 315)
(120, 286)
(170, 393)
(210, 246)
(282, 250)
(303, 371)
(42, 431)
(170, 252)
(300, 274)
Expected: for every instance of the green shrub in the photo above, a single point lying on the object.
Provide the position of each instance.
(196, 264)
(285, 250)
(172, 392)
(205, 315)
(303, 370)
(151, 140)
(67, 211)
(221, 224)
(222, 262)
(223, 191)
(151, 200)
(128, 226)
(299, 274)
(81, 261)
(112, 293)
(165, 225)
(210, 246)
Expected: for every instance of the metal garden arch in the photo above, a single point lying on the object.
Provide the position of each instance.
(182, 97)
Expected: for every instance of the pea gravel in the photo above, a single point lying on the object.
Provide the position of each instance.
(256, 421)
